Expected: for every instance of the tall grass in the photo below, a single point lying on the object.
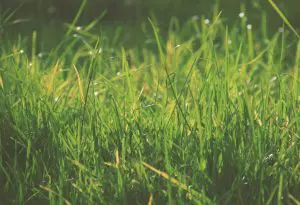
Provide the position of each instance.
(207, 114)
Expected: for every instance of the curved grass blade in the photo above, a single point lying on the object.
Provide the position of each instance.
(284, 18)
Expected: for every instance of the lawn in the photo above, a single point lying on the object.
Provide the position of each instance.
(201, 112)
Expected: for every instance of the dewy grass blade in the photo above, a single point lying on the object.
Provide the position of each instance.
(81, 9)
(110, 107)
(179, 184)
(283, 17)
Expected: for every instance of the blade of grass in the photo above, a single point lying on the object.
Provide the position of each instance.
(177, 183)
(283, 17)
(79, 84)
(81, 8)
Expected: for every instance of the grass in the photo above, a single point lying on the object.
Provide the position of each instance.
(206, 114)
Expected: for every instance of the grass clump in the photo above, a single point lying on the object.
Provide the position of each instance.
(206, 114)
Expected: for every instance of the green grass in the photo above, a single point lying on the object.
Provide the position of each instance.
(204, 114)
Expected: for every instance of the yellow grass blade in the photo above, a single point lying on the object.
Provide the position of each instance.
(1, 82)
(117, 159)
(297, 202)
(79, 84)
(166, 176)
(51, 82)
(53, 192)
(192, 193)
(150, 201)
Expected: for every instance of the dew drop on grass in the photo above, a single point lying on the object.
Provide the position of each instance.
(149, 41)
(242, 15)
(269, 159)
(206, 21)
(244, 180)
(195, 18)
(273, 79)
(281, 30)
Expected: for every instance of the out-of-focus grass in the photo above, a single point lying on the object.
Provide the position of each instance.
(207, 114)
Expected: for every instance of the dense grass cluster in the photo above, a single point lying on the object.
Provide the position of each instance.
(206, 114)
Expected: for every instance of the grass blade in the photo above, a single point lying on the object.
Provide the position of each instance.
(284, 18)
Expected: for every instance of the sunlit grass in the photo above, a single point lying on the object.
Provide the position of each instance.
(206, 114)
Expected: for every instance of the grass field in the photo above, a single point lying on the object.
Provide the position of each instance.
(201, 113)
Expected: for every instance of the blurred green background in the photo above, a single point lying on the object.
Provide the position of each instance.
(136, 10)
(46, 15)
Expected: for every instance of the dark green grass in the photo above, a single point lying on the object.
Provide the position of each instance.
(207, 114)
